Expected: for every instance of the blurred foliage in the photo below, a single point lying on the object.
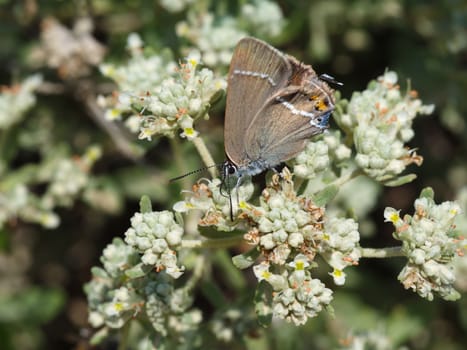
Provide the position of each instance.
(42, 304)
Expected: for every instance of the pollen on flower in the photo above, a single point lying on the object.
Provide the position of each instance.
(244, 205)
(337, 273)
(299, 265)
(112, 114)
(395, 217)
(189, 133)
(107, 70)
(118, 307)
(145, 134)
(266, 275)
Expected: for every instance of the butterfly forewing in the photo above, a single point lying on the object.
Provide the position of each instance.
(257, 72)
(290, 117)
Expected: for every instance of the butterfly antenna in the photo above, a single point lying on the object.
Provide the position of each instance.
(330, 79)
(193, 172)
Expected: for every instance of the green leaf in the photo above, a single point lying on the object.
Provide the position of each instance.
(399, 181)
(138, 271)
(231, 275)
(247, 259)
(211, 232)
(136, 181)
(215, 296)
(99, 336)
(216, 97)
(31, 306)
(145, 205)
(427, 192)
(263, 303)
(324, 196)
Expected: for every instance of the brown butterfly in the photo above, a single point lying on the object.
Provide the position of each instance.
(274, 105)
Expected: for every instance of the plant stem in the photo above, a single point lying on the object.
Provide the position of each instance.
(205, 156)
(122, 344)
(298, 183)
(181, 164)
(197, 273)
(212, 243)
(347, 177)
(389, 252)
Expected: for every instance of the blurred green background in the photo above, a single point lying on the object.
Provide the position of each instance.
(42, 271)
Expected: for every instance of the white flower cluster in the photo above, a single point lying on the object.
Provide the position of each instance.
(289, 231)
(217, 37)
(264, 18)
(122, 290)
(284, 222)
(65, 177)
(16, 100)
(312, 160)
(296, 296)
(167, 96)
(157, 236)
(338, 151)
(429, 243)
(110, 302)
(168, 309)
(340, 246)
(380, 119)
(461, 225)
(72, 52)
(175, 5)
(209, 197)
(376, 338)
(68, 177)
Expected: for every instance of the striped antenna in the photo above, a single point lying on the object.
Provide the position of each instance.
(194, 172)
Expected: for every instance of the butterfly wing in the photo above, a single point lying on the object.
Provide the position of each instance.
(257, 72)
(281, 128)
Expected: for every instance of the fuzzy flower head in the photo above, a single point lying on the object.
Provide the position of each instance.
(431, 246)
(73, 52)
(288, 228)
(297, 296)
(175, 6)
(217, 37)
(122, 291)
(16, 100)
(263, 17)
(312, 160)
(380, 120)
(111, 302)
(301, 301)
(209, 196)
(284, 223)
(160, 97)
(157, 236)
(340, 246)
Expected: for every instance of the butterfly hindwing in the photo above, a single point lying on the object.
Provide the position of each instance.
(300, 110)
(257, 71)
